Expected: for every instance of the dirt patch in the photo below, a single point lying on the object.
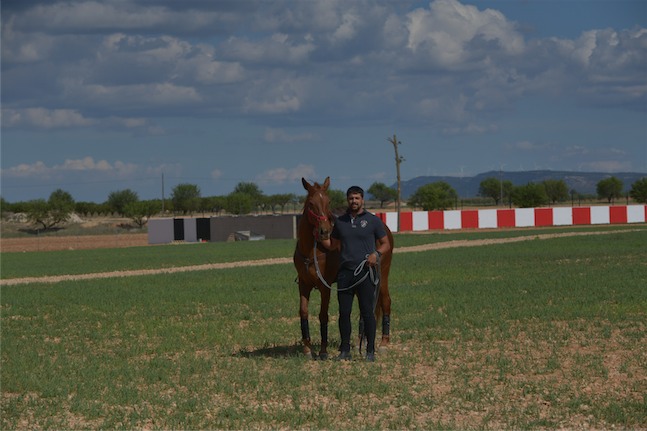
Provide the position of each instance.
(80, 242)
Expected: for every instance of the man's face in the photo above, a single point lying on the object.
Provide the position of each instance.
(355, 201)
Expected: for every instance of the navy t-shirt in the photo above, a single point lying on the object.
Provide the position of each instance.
(357, 236)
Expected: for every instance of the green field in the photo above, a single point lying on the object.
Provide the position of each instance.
(539, 334)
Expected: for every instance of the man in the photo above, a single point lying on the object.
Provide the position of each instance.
(360, 236)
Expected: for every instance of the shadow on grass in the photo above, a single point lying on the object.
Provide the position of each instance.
(291, 351)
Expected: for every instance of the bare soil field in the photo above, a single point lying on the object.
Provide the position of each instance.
(78, 242)
(17, 235)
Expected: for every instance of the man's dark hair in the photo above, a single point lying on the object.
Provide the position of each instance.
(355, 189)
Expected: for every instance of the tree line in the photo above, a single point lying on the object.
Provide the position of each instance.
(247, 198)
(441, 196)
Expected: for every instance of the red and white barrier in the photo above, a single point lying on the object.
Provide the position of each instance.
(514, 217)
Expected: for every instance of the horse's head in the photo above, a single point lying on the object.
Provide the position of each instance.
(317, 207)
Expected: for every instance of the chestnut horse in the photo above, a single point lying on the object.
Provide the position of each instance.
(317, 267)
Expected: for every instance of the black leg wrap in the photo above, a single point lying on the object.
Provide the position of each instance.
(323, 327)
(305, 329)
(361, 327)
(386, 324)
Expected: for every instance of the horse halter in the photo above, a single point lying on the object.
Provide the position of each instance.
(315, 218)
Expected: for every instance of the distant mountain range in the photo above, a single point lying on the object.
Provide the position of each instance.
(467, 187)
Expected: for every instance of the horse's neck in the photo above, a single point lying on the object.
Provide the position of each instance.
(306, 236)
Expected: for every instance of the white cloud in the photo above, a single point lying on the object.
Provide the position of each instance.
(278, 48)
(25, 170)
(286, 175)
(529, 146)
(526, 145)
(607, 166)
(133, 96)
(347, 28)
(86, 164)
(44, 118)
(445, 29)
(281, 136)
(471, 129)
(85, 15)
(277, 105)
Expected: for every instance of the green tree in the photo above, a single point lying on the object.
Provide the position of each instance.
(37, 212)
(85, 209)
(217, 204)
(263, 204)
(529, 196)
(239, 203)
(141, 211)
(119, 200)
(281, 200)
(258, 201)
(209, 204)
(61, 206)
(56, 210)
(556, 190)
(434, 196)
(337, 200)
(639, 190)
(4, 206)
(250, 189)
(17, 207)
(382, 193)
(493, 187)
(609, 188)
(186, 198)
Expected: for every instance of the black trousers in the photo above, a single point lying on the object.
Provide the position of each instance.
(365, 292)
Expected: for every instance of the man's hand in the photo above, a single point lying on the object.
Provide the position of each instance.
(373, 259)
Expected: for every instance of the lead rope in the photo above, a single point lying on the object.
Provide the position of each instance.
(373, 272)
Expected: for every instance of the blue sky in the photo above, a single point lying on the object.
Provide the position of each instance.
(100, 96)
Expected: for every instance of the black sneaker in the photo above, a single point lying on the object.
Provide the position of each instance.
(370, 357)
(343, 356)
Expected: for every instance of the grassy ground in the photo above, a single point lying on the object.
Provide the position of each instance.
(542, 334)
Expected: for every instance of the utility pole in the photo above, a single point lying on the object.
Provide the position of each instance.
(501, 182)
(162, 193)
(398, 159)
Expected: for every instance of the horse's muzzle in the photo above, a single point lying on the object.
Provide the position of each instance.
(324, 233)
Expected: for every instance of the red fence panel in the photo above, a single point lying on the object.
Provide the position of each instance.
(582, 215)
(543, 216)
(470, 219)
(618, 215)
(505, 218)
(436, 219)
(406, 222)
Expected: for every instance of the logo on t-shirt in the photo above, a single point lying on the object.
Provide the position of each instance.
(364, 223)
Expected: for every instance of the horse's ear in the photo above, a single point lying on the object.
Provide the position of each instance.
(305, 184)
(326, 183)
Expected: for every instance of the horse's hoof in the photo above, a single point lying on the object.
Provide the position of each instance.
(323, 356)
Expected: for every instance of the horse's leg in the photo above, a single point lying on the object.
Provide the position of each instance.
(304, 293)
(323, 322)
(385, 305)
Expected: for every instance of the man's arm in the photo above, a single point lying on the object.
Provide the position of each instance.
(383, 246)
(330, 243)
